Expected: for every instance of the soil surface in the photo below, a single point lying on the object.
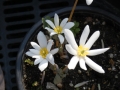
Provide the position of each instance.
(110, 60)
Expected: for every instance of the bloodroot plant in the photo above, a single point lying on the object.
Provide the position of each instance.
(61, 40)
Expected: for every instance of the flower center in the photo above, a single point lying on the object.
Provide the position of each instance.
(58, 29)
(43, 52)
(82, 51)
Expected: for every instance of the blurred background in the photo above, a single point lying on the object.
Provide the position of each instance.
(18, 16)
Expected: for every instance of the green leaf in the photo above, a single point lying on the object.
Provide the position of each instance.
(29, 62)
(61, 74)
(77, 89)
(35, 83)
(75, 29)
(77, 24)
(57, 79)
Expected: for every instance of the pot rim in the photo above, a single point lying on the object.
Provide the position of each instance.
(35, 26)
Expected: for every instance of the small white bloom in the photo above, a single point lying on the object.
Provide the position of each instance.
(88, 2)
(80, 52)
(42, 52)
(57, 28)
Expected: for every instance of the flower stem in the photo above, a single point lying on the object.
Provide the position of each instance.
(65, 68)
(71, 14)
(57, 43)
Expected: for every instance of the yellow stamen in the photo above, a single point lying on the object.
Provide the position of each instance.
(58, 29)
(82, 51)
(43, 52)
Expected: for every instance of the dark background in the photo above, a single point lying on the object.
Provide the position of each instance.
(18, 16)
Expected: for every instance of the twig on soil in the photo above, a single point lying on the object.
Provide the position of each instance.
(80, 84)
(103, 46)
(99, 87)
(93, 87)
(43, 76)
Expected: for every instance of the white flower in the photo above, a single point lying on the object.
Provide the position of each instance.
(88, 2)
(42, 52)
(80, 52)
(58, 28)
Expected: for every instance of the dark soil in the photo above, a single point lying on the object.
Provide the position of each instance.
(110, 60)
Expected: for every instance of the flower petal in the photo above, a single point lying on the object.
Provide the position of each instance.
(84, 35)
(36, 56)
(28, 53)
(54, 51)
(34, 51)
(43, 65)
(35, 45)
(61, 38)
(88, 2)
(63, 22)
(73, 62)
(93, 65)
(97, 51)
(70, 49)
(50, 43)
(70, 38)
(50, 23)
(42, 39)
(38, 60)
(92, 39)
(82, 64)
(49, 30)
(52, 33)
(50, 58)
(68, 25)
(56, 20)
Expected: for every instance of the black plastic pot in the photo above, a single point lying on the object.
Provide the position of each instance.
(38, 26)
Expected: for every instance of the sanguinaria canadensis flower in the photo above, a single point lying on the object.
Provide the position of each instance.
(58, 28)
(42, 52)
(83, 50)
